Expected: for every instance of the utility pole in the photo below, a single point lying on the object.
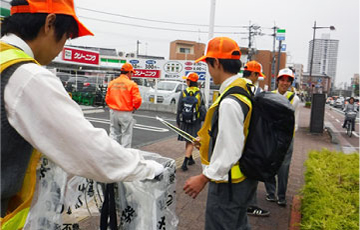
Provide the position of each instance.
(211, 35)
(137, 48)
(272, 86)
(249, 45)
(279, 58)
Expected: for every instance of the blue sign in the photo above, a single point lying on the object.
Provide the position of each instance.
(150, 62)
(134, 62)
(280, 38)
(320, 80)
(202, 75)
(283, 47)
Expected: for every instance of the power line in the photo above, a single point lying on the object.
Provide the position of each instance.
(152, 20)
(159, 28)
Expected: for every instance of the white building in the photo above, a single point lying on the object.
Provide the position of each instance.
(325, 56)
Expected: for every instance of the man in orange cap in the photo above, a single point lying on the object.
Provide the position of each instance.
(37, 113)
(123, 98)
(222, 139)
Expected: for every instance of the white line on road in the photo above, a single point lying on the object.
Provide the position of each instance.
(136, 126)
(138, 115)
(337, 120)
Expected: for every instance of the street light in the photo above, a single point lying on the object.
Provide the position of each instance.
(312, 52)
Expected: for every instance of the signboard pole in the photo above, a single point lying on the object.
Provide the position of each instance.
(155, 96)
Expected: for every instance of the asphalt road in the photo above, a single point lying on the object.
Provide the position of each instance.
(146, 130)
(336, 118)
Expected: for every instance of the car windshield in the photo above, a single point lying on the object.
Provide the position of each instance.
(168, 86)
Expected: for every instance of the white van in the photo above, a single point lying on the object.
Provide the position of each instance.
(168, 92)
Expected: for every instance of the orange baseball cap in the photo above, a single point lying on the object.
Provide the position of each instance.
(222, 48)
(127, 67)
(254, 66)
(191, 77)
(52, 7)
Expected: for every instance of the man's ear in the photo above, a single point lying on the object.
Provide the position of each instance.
(49, 22)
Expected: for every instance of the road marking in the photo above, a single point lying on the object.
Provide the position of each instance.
(136, 126)
(93, 111)
(355, 134)
(337, 120)
(138, 115)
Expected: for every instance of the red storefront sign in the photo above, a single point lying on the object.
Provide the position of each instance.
(80, 56)
(147, 73)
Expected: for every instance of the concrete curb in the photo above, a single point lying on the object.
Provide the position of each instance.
(295, 218)
(331, 130)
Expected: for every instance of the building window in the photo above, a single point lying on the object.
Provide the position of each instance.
(185, 50)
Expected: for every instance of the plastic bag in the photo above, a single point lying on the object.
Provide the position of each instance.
(61, 201)
(149, 204)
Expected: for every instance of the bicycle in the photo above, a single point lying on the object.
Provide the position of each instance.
(349, 119)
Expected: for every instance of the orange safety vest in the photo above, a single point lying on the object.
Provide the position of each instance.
(123, 94)
(19, 205)
(236, 175)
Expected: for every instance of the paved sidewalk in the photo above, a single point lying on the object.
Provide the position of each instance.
(191, 211)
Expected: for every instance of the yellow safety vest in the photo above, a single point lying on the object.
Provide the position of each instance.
(236, 174)
(19, 205)
(288, 95)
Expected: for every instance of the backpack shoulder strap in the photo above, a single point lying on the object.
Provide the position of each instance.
(292, 96)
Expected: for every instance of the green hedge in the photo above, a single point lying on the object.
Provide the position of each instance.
(330, 197)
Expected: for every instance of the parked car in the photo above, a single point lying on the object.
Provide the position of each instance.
(168, 92)
(143, 84)
(339, 103)
(81, 84)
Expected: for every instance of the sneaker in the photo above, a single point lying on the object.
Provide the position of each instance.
(281, 202)
(256, 211)
(191, 161)
(270, 198)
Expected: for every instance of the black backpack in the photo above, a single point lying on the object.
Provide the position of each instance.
(270, 134)
(189, 112)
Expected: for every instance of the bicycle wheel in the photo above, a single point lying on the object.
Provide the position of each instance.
(348, 128)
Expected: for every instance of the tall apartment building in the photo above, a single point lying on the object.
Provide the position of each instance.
(325, 56)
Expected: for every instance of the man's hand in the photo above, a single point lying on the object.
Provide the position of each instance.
(194, 185)
(197, 143)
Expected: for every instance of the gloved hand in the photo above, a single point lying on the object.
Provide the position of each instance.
(158, 168)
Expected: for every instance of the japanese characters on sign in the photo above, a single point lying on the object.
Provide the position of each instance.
(167, 69)
(80, 56)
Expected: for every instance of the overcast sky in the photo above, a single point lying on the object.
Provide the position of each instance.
(297, 17)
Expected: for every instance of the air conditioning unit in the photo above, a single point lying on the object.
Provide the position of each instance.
(121, 54)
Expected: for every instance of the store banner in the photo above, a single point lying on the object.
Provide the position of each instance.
(80, 56)
(167, 69)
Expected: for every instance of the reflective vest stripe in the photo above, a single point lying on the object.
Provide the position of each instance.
(16, 219)
(11, 55)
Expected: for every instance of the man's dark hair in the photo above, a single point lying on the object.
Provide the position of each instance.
(247, 73)
(124, 72)
(230, 65)
(28, 25)
(193, 84)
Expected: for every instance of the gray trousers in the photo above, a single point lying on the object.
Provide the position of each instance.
(121, 127)
(282, 176)
(225, 214)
